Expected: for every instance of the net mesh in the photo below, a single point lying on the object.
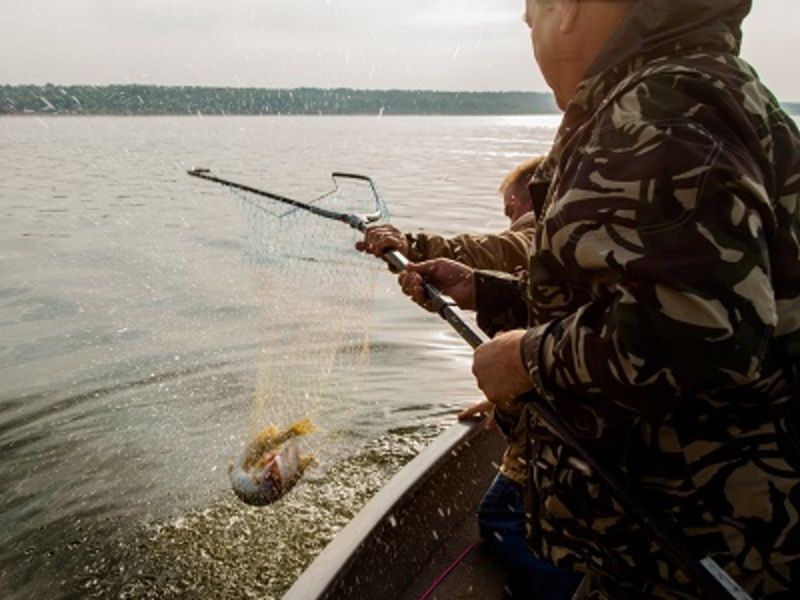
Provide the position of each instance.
(317, 293)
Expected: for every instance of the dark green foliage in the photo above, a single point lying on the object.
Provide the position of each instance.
(160, 100)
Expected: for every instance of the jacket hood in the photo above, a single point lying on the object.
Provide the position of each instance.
(653, 29)
(662, 27)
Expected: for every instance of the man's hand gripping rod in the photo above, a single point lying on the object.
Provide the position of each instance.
(442, 304)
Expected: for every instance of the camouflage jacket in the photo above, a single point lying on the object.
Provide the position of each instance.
(506, 251)
(663, 310)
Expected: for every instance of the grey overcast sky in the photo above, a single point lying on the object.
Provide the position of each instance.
(413, 44)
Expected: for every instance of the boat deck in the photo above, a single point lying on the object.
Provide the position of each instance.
(478, 575)
(409, 535)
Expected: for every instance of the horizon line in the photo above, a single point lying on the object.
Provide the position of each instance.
(794, 103)
(254, 87)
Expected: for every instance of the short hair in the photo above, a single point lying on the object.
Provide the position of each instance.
(522, 171)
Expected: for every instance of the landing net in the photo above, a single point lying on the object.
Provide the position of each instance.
(317, 295)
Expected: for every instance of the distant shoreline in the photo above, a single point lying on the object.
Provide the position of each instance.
(52, 115)
(154, 100)
(147, 100)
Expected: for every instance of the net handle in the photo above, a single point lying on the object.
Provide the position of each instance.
(355, 221)
(442, 303)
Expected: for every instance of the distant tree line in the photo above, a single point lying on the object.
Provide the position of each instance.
(163, 100)
(793, 108)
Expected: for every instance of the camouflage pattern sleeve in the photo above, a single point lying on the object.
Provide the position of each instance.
(662, 229)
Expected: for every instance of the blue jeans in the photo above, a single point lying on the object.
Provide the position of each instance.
(501, 520)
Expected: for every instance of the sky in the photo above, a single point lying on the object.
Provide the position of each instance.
(373, 44)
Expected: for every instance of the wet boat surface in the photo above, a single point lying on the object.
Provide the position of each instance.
(418, 537)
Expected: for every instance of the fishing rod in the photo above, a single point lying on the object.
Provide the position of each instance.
(715, 583)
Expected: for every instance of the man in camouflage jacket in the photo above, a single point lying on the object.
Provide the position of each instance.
(662, 308)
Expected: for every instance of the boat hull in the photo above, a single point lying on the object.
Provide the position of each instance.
(387, 549)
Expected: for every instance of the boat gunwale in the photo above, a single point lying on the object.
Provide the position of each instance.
(329, 566)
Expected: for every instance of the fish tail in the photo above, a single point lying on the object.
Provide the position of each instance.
(302, 427)
(266, 435)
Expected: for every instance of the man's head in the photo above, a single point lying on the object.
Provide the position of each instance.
(516, 197)
(567, 37)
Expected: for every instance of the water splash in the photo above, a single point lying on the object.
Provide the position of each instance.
(231, 550)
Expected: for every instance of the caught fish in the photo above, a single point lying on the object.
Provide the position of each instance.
(270, 464)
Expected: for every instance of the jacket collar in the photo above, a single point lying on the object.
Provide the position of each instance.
(654, 29)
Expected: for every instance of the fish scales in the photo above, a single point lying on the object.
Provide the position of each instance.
(270, 464)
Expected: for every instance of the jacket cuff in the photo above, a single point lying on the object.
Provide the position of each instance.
(534, 348)
(500, 302)
(507, 420)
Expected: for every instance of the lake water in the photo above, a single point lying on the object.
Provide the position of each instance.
(144, 337)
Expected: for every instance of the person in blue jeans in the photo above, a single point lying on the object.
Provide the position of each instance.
(501, 521)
